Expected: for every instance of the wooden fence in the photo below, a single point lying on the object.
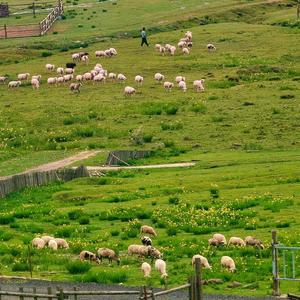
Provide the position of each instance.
(18, 182)
(122, 157)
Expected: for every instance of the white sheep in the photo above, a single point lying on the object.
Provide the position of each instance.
(121, 77)
(168, 46)
(252, 241)
(100, 53)
(79, 78)
(62, 243)
(168, 85)
(75, 56)
(38, 243)
(139, 250)
(139, 79)
(52, 80)
(35, 83)
(68, 77)
(181, 44)
(186, 51)
(94, 73)
(203, 261)
(99, 78)
(189, 35)
(159, 77)
(113, 51)
(85, 59)
(87, 255)
(161, 267)
(3, 79)
(198, 85)
(157, 47)
(87, 76)
(182, 85)
(60, 79)
(148, 230)
(52, 245)
(146, 269)
(220, 238)
(128, 90)
(179, 78)
(69, 70)
(211, 47)
(37, 77)
(109, 254)
(172, 50)
(50, 67)
(162, 50)
(75, 87)
(108, 53)
(23, 76)
(14, 84)
(103, 72)
(228, 262)
(60, 71)
(47, 238)
(112, 76)
(98, 66)
(236, 241)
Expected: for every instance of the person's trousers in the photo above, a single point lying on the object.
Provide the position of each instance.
(144, 41)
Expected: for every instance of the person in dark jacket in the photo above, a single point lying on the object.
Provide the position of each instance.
(144, 37)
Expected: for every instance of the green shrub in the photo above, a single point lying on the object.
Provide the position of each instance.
(199, 108)
(106, 277)
(147, 138)
(173, 200)
(6, 219)
(20, 267)
(75, 214)
(283, 224)
(78, 267)
(84, 220)
(171, 231)
(46, 53)
(64, 232)
(114, 232)
(171, 109)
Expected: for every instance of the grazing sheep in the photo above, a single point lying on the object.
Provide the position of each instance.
(148, 229)
(94, 73)
(146, 269)
(98, 66)
(68, 77)
(203, 261)
(75, 56)
(3, 79)
(23, 76)
(220, 238)
(168, 46)
(211, 47)
(85, 59)
(52, 80)
(252, 241)
(60, 79)
(168, 85)
(179, 78)
(52, 245)
(189, 35)
(236, 241)
(37, 77)
(128, 90)
(159, 77)
(228, 262)
(181, 44)
(213, 242)
(47, 238)
(109, 254)
(35, 84)
(38, 243)
(75, 87)
(146, 241)
(139, 79)
(186, 51)
(182, 85)
(69, 70)
(60, 71)
(79, 78)
(87, 76)
(162, 50)
(14, 84)
(161, 267)
(154, 253)
(70, 65)
(108, 53)
(99, 78)
(62, 243)
(50, 67)
(172, 50)
(112, 76)
(189, 44)
(103, 72)
(100, 53)
(198, 85)
(121, 77)
(87, 255)
(139, 250)
(157, 47)
(113, 51)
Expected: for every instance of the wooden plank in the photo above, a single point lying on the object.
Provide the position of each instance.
(185, 286)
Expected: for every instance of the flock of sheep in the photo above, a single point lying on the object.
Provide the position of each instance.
(100, 75)
(146, 250)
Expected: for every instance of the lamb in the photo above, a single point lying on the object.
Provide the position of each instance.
(85, 59)
(228, 263)
(146, 241)
(179, 78)
(181, 44)
(69, 70)
(75, 87)
(60, 79)
(189, 35)
(182, 85)
(168, 46)
(60, 71)
(157, 47)
(79, 78)
(148, 229)
(252, 241)
(3, 79)
(159, 77)
(113, 51)
(198, 85)
(139, 79)
(38, 243)
(14, 84)
(75, 56)
(108, 53)
(100, 54)
(68, 77)
(99, 78)
(52, 245)
(103, 72)
(37, 77)
(87, 255)
(236, 241)
(23, 76)
(161, 267)
(219, 239)
(203, 261)
(138, 249)
(211, 47)
(162, 50)
(146, 269)
(186, 51)
(35, 83)
(172, 50)
(52, 80)
(121, 77)
(168, 85)
(109, 254)
(112, 76)
(87, 76)
(50, 67)
(61, 243)
(128, 90)
(47, 238)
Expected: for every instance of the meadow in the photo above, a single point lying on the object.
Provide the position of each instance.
(243, 132)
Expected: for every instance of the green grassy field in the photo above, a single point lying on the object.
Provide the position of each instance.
(243, 131)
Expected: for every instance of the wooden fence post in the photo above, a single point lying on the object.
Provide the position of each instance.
(60, 294)
(298, 11)
(145, 292)
(190, 281)
(21, 290)
(198, 280)
(34, 291)
(276, 291)
(29, 260)
(33, 9)
(49, 290)
(75, 289)
(0, 294)
(5, 31)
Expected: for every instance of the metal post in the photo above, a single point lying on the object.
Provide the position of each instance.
(293, 264)
(198, 283)
(276, 291)
(5, 31)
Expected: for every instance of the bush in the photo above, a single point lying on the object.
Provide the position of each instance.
(20, 267)
(47, 53)
(106, 277)
(6, 219)
(75, 214)
(174, 200)
(84, 220)
(199, 108)
(171, 110)
(114, 232)
(171, 231)
(78, 267)
(147, 138)
(64, 232)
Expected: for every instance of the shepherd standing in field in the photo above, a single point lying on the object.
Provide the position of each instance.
(144, 37)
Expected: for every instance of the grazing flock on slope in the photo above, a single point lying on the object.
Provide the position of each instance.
(147, 250)
(100, 75)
